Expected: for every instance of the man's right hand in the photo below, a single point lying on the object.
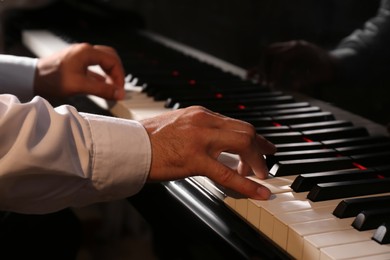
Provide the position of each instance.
(188, 142)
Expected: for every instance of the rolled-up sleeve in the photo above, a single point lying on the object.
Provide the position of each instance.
(52, 158)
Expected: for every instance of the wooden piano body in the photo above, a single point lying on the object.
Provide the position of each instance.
(287, 226)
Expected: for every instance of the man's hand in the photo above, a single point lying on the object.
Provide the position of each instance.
(295, 65)
(187, 142)
(66, 73)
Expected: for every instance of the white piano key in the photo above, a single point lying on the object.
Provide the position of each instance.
(270, 211)
(354, 250)
(43, 43)
(297, 232)
(313, 243)
(275, 184)
(255, 206)
(247, 209)
(385, 256)
(241, 207)
(283, 221)
(253, 215)
(230, 202)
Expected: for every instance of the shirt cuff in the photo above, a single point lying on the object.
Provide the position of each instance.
(121, 156)
(17, 76)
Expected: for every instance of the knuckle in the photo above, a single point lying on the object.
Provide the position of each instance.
(197, 109)
(249, 130)
(82, 47)
(248, 136)
(198, 113)
(224, 176)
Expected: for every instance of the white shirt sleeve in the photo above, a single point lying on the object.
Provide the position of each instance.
(17, 76)
(52, 158)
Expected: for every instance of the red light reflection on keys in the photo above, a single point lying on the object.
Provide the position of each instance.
(307, 139)
(175, 73)
(361, 167)
(218, 95)
(276, 124)
(241, 107)
(192, 82)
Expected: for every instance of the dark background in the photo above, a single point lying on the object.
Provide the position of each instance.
(238, 32)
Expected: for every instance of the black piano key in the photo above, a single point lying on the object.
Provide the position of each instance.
(351, 207)
(363, 149)
(303, 118)
(146, 70)
(355, 141)
(243, 115)
(172, 85)
(151, 71)
(197, 97)
(261, 122)
(335, 133)
(288, 137)
(292, 111)
(382, 233)
(345, 189)
(371, 219)
(160, 83)
(272, 129)
(320, 125)
(372, 159)
(198, 92)
(300, 146)
(245, 112)
(218, 104)
(298, 155)
(305, 182)
(295, 167)
(219, 90)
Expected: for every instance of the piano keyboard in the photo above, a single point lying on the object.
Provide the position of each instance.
(327, 158)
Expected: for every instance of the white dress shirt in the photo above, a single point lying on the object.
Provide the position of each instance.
(53, 158)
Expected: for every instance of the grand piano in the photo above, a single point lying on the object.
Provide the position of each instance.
(329, 177)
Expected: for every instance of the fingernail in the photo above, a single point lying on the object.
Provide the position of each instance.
(264, 192)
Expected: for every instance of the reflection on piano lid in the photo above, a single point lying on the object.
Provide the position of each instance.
(318, 144)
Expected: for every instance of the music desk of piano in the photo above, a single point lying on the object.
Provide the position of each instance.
(298, 227)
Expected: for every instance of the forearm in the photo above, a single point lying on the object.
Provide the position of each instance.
(56, 158)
